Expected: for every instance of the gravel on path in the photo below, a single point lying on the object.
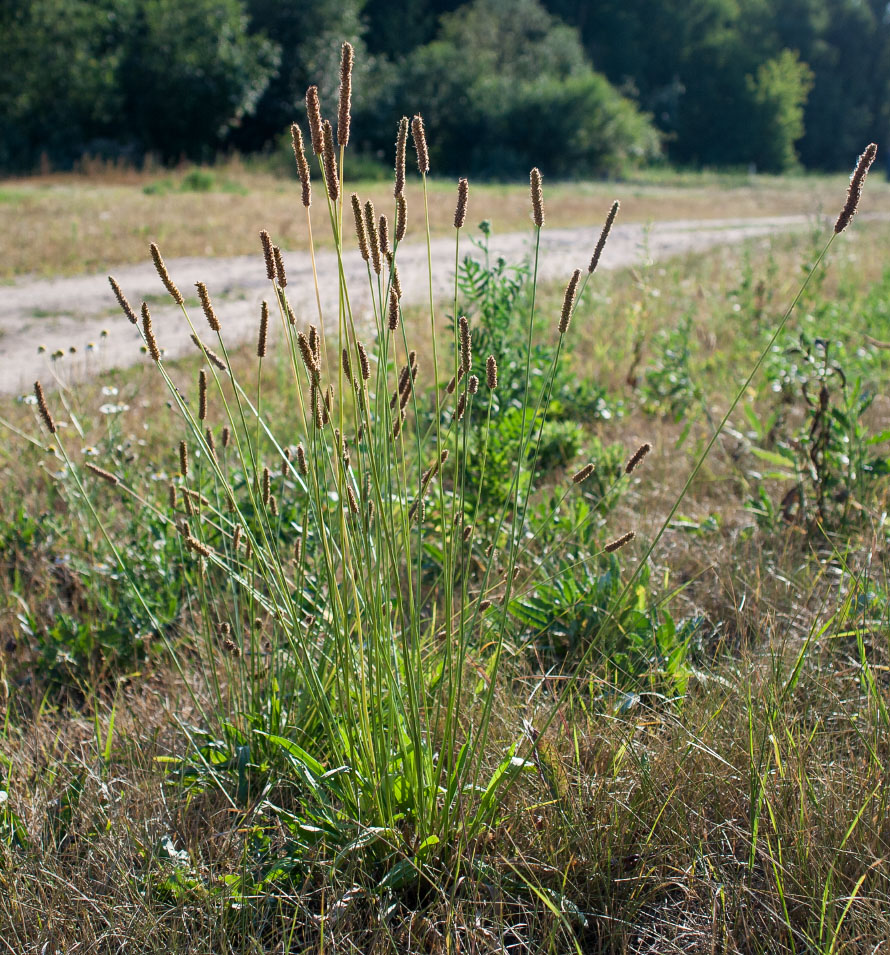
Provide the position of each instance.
(65, 312)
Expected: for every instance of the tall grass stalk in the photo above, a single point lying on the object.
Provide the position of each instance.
(350, 667)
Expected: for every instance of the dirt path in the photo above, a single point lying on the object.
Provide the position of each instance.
(66, 312)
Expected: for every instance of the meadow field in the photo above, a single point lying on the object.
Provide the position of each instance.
(532, 619)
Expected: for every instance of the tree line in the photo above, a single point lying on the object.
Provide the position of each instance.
(579, 87)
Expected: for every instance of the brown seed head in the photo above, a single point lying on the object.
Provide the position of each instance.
(315, 344)
(202, 395)
(279, 267)
(360, 227)
(619, 542)
(175, 294)
(329, 399)
(466, 345)
(171, 496)
(262, 338)
(468, 532)
(302, 166)
(313, 112)
(212, 357)
(484, 605)
(343, 116)
(373, 237)
(331, 178)
(122, 300)
(401, 218)
(308, 358)
(854, 193)
(393, 320)
(579, 477)
(637, 457)
(226, 437)
(461, 405)
(207, 305)
(463, 195)
(607, 228)
(193, 544)
(301, 460)
(537, 197)
(401, 142)
(268, 254)
(347, 365)
(267, 486)
(211, 441)
(363, 361)
(491, 372)
(419, 135)
(568, 302)
(148, 331)
(350, 497)
(43, 408)
(183, 459)
(384, 236)
(473, 384)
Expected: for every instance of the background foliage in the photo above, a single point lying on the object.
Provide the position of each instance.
(584, 88)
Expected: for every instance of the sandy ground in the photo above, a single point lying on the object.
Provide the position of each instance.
(65, 312)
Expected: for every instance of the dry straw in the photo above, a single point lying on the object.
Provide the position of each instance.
(637, 457)
(619, 542)
(262, 338)
(419, 135)
(43, 408)
(568, 302)
(302, 166)
(122, 300)
(360, 227)
(207, 306)
(344, 114)
(854, 193)
(175, 294)
(463, 195)
(268, 254)
(313, 112)
(331, 178)
(537, 197)
(607, 228)
(148, 331)
(401, 142)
